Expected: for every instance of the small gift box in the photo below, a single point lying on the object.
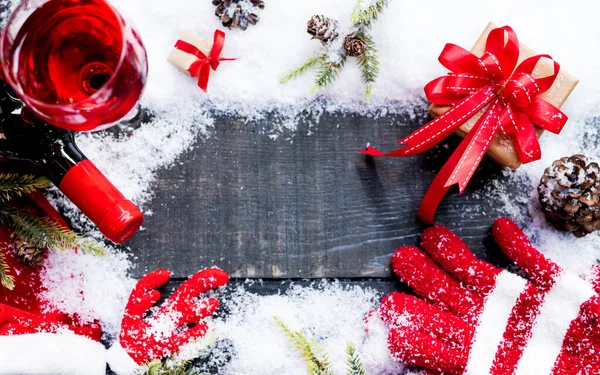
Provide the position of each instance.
(198, 57)
(502, 149)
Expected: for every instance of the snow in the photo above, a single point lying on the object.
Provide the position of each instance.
(325, 312)
(64, 353)
(409, 36)
(89, 286)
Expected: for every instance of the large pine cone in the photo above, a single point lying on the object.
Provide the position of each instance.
(570, 195)
(322, 28)
(27, 253)
(238, 13)
(354, 45)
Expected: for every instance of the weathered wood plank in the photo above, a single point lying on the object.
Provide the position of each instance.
(302, 205)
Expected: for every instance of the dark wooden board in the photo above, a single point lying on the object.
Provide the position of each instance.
(305, 205)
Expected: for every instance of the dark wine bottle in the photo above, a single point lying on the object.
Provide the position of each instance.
(55, 152)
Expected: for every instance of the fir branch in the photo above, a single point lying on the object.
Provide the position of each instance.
(15, 185)
(43, 232)
(6, 279)
(158, 367)
(362, 17)
(354, 363)
(317, 360)
(180, 363)
(369, 65)
(327, 74)
(309, 64)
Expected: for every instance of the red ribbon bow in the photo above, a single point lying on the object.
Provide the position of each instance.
(474, 82)
(201, 67)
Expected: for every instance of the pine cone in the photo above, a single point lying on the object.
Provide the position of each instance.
(354, 45)
(322, 28)
(27, 253)
(570, 195)
(238, 13)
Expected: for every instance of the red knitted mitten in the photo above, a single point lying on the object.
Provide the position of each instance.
(142, 339)
(476, 319)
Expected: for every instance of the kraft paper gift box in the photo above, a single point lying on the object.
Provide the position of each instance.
(502, 149)
(183, 60)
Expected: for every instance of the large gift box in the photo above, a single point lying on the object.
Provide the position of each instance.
(498, 96)
(502, 149)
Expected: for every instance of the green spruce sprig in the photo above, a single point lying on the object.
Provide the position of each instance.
(354, 363)
(317, 360)
(309, 64)
(38, 232)
(176, 364)
(14, 185)
(369, 65)
(363, 16)
(327, 72)
(158, 367)
(44, 232)
(6, 279)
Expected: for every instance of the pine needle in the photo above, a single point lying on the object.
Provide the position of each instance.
(369, 65)
(317, 360)
(15, 185)
(6, 279)
(43, 232)
(354, 363)
(176, 364)
(309, 64)
(362, 17)
(163, 368)
(327, 74)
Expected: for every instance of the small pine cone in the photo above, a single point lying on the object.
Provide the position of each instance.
(238, 13)
(27, 253)
(253, 18)
(235, 20)
(354, 45)
(569, 193)
(322, 28)
(258, 3)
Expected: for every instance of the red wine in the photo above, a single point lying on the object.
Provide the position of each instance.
(78, 63)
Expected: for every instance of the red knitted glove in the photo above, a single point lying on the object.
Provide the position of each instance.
(476, 319)
(142, 339)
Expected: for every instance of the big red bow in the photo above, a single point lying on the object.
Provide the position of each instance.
(513, 106)
(201, 67)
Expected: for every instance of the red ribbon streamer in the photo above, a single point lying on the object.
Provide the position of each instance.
(201, 67)
(513, 107)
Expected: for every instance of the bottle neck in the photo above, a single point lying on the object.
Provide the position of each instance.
(52, 149)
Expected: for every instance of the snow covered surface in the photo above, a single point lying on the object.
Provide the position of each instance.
(325, 312)
(409, 36)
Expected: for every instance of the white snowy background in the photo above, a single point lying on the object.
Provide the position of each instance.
(409, 37)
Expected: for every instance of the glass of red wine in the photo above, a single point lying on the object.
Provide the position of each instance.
(76, 64)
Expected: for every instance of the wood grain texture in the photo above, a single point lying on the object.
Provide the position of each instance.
(303, 205)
